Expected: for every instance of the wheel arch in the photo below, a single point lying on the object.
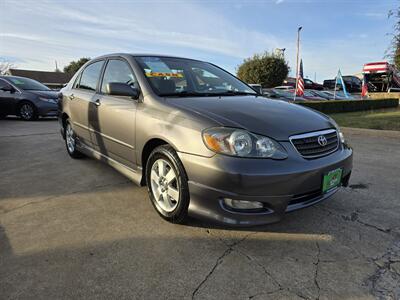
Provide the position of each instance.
(64, 118)
(147, 149)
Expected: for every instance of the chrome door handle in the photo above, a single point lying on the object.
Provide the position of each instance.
(71, 97)
(97, 102)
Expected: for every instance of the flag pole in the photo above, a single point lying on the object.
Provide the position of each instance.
(334, 91)
(297, 61)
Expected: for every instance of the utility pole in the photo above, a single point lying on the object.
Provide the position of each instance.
(297, 60)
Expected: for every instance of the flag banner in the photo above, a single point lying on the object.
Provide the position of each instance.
(300, 81)
(364, 89)
(339, 80)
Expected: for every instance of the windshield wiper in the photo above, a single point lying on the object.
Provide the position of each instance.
(233, 93)
(185, 94)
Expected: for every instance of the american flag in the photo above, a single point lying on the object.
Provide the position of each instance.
(300, 81)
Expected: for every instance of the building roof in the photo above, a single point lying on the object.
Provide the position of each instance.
(47, 78)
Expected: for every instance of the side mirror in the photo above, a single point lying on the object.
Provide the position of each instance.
(122, 89)
(8, 88)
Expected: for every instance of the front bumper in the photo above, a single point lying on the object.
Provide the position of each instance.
(47, 109)
(282, 186)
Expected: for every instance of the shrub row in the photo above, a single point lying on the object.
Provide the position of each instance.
(338, 106)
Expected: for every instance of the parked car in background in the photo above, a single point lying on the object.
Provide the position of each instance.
(353, 84)
(26, 98)
(204, 142)
(320, 94)
(308, 84)
(257, 87)
(283, 94)
(335, 96)
(308, 95)
(284, 87)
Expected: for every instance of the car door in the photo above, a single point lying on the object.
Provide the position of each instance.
(113, 117)
(7, 98)
(80, 99)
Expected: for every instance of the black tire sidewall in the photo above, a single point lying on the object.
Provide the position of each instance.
(34, 115)
(179, 214)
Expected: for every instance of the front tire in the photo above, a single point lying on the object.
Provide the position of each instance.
(70, 141)
(167, 184)
(27, 111)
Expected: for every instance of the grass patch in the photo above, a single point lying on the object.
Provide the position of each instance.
(383, 119)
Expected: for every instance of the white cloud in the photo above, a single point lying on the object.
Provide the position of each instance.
(279, 1)
(375, 15)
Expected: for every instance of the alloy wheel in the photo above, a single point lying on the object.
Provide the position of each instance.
(164, 185)
(27, 111)
(70, 139)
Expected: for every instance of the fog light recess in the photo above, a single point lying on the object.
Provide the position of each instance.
(242, 204)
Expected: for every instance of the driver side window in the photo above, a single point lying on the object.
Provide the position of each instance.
(118, 71)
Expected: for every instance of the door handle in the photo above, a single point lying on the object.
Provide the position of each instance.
(71, 97)
(97, 102)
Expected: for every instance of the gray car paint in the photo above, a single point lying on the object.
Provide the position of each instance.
(180, 122)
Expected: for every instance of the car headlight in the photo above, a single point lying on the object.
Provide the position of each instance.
(48, 100)
(340, 133)
(239, 142)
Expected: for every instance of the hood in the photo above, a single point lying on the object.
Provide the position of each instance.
(273, 118)
(45, 94)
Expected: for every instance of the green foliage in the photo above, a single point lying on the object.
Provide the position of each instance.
(74, 66)
(393, 51)
(339, 106)
(266, 69)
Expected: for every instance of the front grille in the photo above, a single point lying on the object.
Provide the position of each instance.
(308, 144)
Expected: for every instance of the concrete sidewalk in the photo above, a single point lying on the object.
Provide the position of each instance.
(78, 229)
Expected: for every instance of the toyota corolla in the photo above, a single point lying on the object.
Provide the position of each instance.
(205, 143)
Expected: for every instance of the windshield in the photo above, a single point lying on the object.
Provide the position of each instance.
(178, 77)
(28, 84)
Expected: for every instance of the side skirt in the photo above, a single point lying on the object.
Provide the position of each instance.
(135, 176)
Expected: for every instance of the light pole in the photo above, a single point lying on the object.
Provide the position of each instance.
(297, 59)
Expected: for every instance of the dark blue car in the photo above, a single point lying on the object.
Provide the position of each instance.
(26, 98)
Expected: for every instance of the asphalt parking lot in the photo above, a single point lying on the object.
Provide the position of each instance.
(78, 229)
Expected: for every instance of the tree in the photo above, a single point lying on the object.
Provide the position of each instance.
(74, 66)
(266, 69)
(393, 52)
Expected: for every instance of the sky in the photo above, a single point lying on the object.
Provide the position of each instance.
(336, 33)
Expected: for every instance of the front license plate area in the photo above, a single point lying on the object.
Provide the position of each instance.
(331, 180)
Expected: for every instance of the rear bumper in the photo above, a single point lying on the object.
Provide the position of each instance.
(281, 186)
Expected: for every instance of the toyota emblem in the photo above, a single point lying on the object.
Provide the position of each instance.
(322, 140)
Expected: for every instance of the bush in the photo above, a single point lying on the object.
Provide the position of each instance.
(338, 106)
(266, 69)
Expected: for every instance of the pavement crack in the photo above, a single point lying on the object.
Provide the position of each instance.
(269, 275)
(316, 271)
(384, 282)
(384, 230)
(354, 217)
(217, 263)
(220, 259)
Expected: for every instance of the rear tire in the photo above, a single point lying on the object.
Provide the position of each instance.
(27, 111)
(70, 141)
(167, 184)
